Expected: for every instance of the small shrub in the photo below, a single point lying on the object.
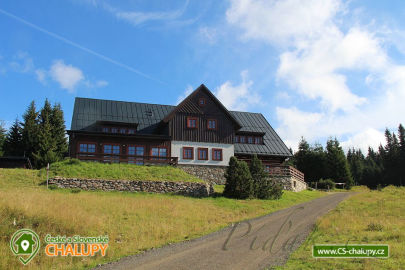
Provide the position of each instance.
(269, 190)
(326, 184)
(72, 161)
(239, 183)
(379, 187)
(374, 227)
(276, 191)
(75, 190)
(259, 177)
(53, 187)
(263, 189)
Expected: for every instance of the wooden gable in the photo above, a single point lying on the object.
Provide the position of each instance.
(204, 107)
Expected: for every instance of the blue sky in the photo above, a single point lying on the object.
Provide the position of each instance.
(315, 68)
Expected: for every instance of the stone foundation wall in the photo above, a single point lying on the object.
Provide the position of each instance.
(183, 188)
(211, 174)
(291, 183)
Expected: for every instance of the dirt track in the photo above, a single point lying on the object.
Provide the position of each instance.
(255, 244)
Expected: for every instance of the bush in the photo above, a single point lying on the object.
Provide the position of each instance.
(53, 187)
(326, 184)
(75, 190)
(374, 227)
(239, 183)
(259, 177)
(264, 189)
(243, 182)
(274, 191)
(71, 161)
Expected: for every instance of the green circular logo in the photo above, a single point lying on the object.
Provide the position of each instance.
(25, 244)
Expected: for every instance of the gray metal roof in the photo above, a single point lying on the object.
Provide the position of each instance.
(255, 122)
(88, 111)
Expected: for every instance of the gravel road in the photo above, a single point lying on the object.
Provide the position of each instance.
(254, 244)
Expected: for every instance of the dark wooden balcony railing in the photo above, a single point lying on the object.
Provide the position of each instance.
(286, 171)
(143, 160)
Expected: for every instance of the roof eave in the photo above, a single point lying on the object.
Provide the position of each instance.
(136, 135)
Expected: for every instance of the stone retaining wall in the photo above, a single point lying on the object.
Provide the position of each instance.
(183, 188)
(291, 183)
(211, 174)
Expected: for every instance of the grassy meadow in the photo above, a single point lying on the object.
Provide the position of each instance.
(94, 170)
(369, 217)
(133, 221)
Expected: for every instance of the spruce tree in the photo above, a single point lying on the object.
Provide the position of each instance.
(30, 130)
(13, 145)
(59, 130)
(372, 173)
(317, 163)
(301, 158)
(401, 138)
(261, 183)
(230, 176)
(2, 137)
(47, 148)
(356, 160)
(390, 157)
(243, 181)
(239, 182)
(311, 161)
(338, 167)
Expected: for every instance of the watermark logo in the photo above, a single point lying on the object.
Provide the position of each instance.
(350, 251)
(75, 246)
(25, 243)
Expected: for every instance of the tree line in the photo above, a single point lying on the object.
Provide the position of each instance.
(386, 166)
(41, 135)
(383, 167)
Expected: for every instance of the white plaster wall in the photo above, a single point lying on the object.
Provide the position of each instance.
(228, 151)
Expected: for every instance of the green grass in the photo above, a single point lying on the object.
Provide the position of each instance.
(369, 217)
(133, 221)
(74, 168)
(219, 188)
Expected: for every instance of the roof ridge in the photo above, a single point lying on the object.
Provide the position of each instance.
(246, 112)
(126, 101)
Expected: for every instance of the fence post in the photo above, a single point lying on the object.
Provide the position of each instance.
(47, 175)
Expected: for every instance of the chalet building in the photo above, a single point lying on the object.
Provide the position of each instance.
(198, 135)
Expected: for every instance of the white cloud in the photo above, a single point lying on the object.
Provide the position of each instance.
(238, 97)
(101, 83)
(187, 92)
(208, 34)
(140, 17)
(96, 84)
(282, 22)
(319, 47)
(298, 123)
(22, 62)
(315, 71)
(283, 95)
(233, 97)
(369, 137)
(41, 75)
(67, 76)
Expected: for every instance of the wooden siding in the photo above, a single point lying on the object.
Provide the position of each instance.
(178, 124)
(75, 139)
(266, 160)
